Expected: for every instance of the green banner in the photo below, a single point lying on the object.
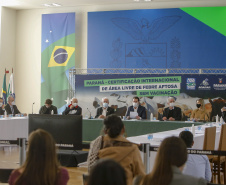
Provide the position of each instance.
(152, 80)
(171, 92)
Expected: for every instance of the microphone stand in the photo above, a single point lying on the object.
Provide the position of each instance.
(32, 106)
(89, 114)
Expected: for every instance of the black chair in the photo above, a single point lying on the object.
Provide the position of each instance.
(4, 175)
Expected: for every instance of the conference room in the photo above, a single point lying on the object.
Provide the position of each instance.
(91, 49)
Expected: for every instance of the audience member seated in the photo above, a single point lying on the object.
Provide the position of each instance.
(41, 166)
(171, 113)
(2, 108)
(48, 108)
(11, 108)
(73, 108)
(104, 111)
(107, 172)
(200, 114)
(196, 165)
(136, 111)
(170, 160)
(114, 146)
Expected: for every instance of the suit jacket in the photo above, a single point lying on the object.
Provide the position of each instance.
(77, 109)
(224, 115)
(179, 178)
(8, 109)
(100, 110)
(44, 110)
(141, 111)
(176, 113)
(2, 112)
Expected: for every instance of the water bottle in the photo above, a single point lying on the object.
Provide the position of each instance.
(151, 117)
(52, 112)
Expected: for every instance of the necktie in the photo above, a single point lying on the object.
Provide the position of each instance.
(12, 109)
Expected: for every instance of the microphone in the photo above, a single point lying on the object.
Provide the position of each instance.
(89, 113)
(32, 106)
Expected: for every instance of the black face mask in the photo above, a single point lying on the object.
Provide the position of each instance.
(198, 105)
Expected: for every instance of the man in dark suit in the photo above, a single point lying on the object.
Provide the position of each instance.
(104, 111)
(136, 107)
(73, 108)
(10, 107)
(2, 109)
(48, 108)
(171, 113)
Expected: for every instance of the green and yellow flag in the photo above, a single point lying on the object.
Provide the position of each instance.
(58, 56)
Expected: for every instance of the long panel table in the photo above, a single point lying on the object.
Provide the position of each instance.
(17, 127)
(92, 127)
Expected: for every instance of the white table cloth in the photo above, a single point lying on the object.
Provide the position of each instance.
(13, 128)
(158, 137)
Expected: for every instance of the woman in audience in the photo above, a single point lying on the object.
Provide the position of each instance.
(107, 171)
(114, 146)
(200, 114)
(169, 164)
(41, 166)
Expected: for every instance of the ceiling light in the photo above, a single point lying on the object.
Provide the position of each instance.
(137, 0)
(147, 0)
(55, 4)
(52, 5)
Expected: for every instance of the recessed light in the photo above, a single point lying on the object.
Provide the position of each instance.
(136, 0)
(147, 0)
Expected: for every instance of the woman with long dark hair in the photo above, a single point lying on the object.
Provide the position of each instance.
(41, 166)
(169, 164)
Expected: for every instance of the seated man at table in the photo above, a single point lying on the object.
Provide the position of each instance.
(223, 110)
(48, 108)
(103, 112)
(73, 108)
(2, 108)
(136, 111)
(171, 113)
(10, 107)
(196, 165)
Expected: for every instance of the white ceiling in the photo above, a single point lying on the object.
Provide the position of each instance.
(32, 4)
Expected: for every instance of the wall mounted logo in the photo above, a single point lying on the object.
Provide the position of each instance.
(191, 83)
(220, 86)
(204, 85)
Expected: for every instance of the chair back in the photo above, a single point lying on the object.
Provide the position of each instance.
(209, 138)
(222, 142)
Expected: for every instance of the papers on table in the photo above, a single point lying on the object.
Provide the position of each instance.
(133, 115)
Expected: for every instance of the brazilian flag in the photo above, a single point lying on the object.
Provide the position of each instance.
(58, 56)
(4, 90)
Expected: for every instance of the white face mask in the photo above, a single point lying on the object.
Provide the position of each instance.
(13, 103)
(74, 104)
(135, 104)
(1, 104)
(172, 104)
(105, 105)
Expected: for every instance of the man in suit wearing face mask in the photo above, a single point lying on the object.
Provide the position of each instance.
(136, 108)
(171, 113)
(104, 111)
(10, 107)
(73, 108)
(2, 108)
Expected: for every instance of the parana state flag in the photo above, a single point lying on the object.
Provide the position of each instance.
(58, 56)
(11, 91)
